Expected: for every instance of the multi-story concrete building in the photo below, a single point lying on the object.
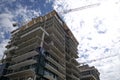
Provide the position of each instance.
(88, 73)
(42, 49)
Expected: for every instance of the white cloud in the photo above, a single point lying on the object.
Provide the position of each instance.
(26, 14)
(97, 30)
(7, 19)
(5, 27)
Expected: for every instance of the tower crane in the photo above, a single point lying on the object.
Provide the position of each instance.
(80, 8)
(94, 60)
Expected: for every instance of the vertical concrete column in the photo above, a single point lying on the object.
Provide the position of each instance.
(34, 77)
(43, 35)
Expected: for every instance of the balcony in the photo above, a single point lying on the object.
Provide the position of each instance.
(74, 53)
(8, 45)
(52, 69)
(32, 32)
(57, 33)
(49, 77)
(27, 48)
(25, 56)
(68, 57)
(29, 41)
(75, 69)
(69, 75)
(89, 74)
(10, 49)
(73, 44)
(56, 50)
(55, 63)
(74, 77)
(68, 65)
(21, 64)
(59, 20)
(21, 73)
(14, 32)
(54, 54)
(68, 72)
(76, 73)
(90, 77)
(57, 41)
(57, 56)
(75, 62)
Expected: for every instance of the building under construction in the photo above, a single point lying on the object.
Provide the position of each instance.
(42, 49)
(88, 73)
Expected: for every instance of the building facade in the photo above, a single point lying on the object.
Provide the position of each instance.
(88, 73)
(42, 49)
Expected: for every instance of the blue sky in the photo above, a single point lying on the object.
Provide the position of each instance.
(97, 29)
